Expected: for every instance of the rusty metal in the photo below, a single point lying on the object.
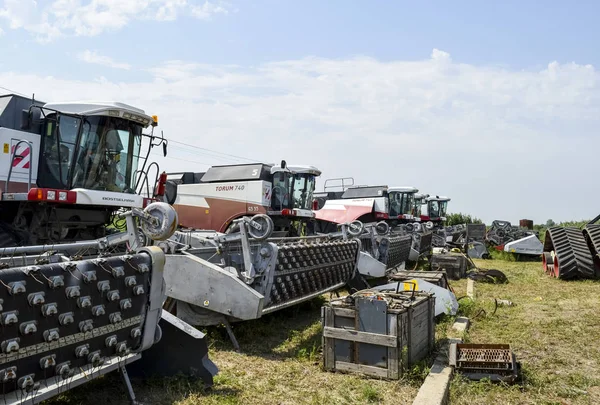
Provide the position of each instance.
(526, 223)
(496, 362)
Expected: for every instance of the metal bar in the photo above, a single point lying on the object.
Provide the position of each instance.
(12, 160)
(229, 330)
(125, 377)
(248, 266)
(302, 299)
(57, 385)
(110, 240)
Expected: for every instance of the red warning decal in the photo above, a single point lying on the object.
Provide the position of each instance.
(22, 156)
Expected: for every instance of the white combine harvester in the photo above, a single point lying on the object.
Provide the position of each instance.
(79, 301)
(216, 198)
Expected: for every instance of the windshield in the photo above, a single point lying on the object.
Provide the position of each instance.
(282, 187)
(434, 209)
(108, 154)
(395, 199)
(417, 209)
(292, 191)
(304, 187)
(443, 207)
(407, 203)
(400, 203)
(98, 153)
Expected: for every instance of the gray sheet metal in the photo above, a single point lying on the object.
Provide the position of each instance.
(372, 318)
(198, 282)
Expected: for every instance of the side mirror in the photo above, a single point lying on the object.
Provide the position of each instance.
(25, 120)
(165, 148)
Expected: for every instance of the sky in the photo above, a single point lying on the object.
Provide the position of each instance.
(494, 104)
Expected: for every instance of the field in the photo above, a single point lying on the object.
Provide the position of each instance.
(554, 330)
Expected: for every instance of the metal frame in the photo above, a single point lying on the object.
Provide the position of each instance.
(12, 161)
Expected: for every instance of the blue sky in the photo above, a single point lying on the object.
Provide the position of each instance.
(406, 89)
(519, 34)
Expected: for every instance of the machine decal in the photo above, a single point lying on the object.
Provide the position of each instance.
(21, 157)
(348, 211)
(219, 219)
(266, 194)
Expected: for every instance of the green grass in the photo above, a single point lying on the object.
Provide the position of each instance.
(552, 329)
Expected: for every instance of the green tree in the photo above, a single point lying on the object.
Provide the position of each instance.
(460, 218)
(550, 223)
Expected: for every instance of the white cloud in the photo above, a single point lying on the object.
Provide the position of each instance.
(209, 8)
(503, 144)
(95, 58)
(52, 19)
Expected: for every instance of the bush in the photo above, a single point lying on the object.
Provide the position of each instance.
(460, 218)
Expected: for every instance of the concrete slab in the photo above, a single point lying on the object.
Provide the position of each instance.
(436, 387)
(461, 324)
(470, 288)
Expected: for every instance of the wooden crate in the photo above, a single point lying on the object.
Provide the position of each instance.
(376, 339)
(455, 265)
(438, 278)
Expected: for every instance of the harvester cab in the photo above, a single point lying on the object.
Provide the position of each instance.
(402, 204)
(437, 207)
(216, 198)
(420, 200)
(67, 167)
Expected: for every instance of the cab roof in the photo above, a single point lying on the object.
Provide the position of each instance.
(403, 189)
(105, 108)
(298, 169)
(438, 198)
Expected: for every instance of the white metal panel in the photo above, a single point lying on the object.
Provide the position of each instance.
(253, 192)
(8, 139)
(108, 198)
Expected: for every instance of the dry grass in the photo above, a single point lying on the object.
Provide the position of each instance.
(554, 330)
(280, 364)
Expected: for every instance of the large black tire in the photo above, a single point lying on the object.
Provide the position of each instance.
(573, 258)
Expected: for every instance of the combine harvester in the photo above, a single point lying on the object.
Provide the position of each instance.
(215, 199)
(436, 210)
(74, 308)
(572, 253)
(393, 206)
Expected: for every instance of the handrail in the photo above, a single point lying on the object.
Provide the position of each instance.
(12, 161)
(342, 185)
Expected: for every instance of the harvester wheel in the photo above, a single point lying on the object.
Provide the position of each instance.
(266, 227)
(547, 262)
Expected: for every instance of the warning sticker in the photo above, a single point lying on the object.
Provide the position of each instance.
(21, 157)
(410, 285)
